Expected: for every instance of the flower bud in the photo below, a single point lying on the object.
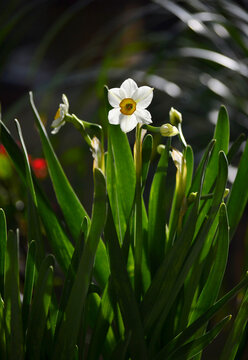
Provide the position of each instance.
(175, 117)
(168, 130)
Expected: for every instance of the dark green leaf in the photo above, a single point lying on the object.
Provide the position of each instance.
(157, 213)
(39, 309)
(68, 331)
(125, 294)
(12, 303)
(239, 193)
(29, 282)
(3, 242)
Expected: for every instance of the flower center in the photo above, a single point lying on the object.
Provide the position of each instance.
(57, 115)
(128, 106)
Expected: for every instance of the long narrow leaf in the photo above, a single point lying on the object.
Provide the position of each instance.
(3, 242)
(12, 313)
(68, 332)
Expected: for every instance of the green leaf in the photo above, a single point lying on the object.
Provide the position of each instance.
(125, 294)
(2, 332)
(235, 147)
(66, 197)
(29, 282)
(71, 273)
(186, 335)
(34, 231)
(153, 303)
(59, 242)
(146, 157)
(102, 327)
(68, 331)
(212, 286)
(189, 350)
(12, 311)
(157, 213)
(190, 167)
(3, 242)
(39, 309)
(235, 337)
(221, 137)
(120, 178)
(239, 193)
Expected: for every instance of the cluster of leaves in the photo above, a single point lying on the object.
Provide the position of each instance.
(139, 283)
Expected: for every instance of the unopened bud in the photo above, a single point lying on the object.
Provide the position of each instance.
(226, 192)
(168, 130)
(175, 117)
(192, 196)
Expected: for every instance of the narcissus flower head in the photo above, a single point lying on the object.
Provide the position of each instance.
(59, 119)
(129, 104)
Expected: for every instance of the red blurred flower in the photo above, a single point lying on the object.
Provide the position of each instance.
(39, 167)
(2, 150)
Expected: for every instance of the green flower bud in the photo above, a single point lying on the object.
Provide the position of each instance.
(168, 130)
(175, 117)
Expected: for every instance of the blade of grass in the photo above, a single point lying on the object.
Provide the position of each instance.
(157, 213)
(39, 309)
(3, 242)
(34, 231)
(57, 238)
(124, 292)
(68, 331)
(239, 194)
(120, 178)
(186, 335)
(235, 337)
(2, 332)
(212, 286)
(29, 283)
(189, 350)
(12, 311)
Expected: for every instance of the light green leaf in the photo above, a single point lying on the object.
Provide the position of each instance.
(120, 178)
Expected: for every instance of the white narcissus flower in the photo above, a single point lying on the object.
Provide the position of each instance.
(60, 115)
(129, 105)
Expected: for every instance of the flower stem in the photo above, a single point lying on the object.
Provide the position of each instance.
(138, 216)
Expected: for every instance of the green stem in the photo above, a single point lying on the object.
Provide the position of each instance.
(79, 125)
(138, 216)
(153, 129)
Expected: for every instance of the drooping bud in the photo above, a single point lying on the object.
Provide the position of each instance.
(168, 130)
(175, 117)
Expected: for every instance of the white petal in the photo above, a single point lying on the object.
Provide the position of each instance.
(65, 101)
(115, 95)
(56, 122)
(56, 129)
(143, 116)
(143, 96)
(114, 116)
(129, 86)
(128, 122)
